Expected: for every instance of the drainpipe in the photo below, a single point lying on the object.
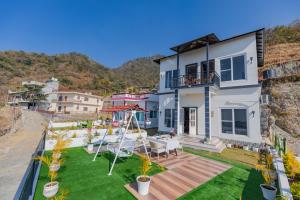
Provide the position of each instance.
(207, 97)
(177, 103)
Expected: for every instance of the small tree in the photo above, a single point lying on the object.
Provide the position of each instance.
(145, 168)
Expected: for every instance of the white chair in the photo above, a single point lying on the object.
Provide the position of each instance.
(157, 148)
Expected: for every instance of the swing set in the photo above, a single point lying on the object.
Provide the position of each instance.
(125, 146)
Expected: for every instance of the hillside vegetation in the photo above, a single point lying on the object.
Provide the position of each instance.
(76, 72)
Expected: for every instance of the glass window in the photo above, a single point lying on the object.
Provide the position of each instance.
(226, 119)
(238, 67)
(173, 118)
(225, 69)
(153, 114)
(240, 121)
(140, 116)
(168, 79)
(168, 118)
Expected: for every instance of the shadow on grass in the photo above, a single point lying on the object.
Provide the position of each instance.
(252, 189)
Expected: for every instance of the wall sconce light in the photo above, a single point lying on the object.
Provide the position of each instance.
(251, 60)
(159, 112)
(252, 113)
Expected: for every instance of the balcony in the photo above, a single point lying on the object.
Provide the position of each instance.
(197, 80)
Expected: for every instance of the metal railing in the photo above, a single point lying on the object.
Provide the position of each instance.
(28, 183)
(197, 80)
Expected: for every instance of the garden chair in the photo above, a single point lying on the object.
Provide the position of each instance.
(157, 148)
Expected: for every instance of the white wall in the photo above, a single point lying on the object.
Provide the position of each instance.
(245, 45)
(247, 98)
(165, 101)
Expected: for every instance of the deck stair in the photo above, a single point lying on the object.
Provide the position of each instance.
(215, 145)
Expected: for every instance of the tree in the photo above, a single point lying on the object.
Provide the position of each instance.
(34, 94)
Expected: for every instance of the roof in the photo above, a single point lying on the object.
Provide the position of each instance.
(213, 39)
(129, 107)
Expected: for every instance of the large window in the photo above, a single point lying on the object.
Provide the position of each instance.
(168, 80)
(234, 121)
(153, 114)
(233, 68)
(173, 118)
(168, 118)
(140, 116)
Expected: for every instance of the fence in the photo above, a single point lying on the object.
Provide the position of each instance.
(278, 141)
(28, 183)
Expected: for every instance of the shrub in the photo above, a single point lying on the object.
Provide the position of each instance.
(292, 165)
(295, 189)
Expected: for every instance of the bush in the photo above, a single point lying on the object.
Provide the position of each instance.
(295, 189)
(292, 165)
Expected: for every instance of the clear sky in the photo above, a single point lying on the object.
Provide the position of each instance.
(112, 32)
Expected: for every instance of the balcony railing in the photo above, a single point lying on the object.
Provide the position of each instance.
(197, 80)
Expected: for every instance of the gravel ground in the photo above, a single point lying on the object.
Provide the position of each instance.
(16, 150)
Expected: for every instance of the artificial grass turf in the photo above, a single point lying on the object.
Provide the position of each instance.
(85, 179)
(242, 180)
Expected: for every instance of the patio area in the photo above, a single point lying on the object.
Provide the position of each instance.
(85, 179)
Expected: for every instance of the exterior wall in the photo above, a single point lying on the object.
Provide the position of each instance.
(192, 97)
(247, 98)
(148, 102)
(165, 101)
(245, 45)
(76, 103)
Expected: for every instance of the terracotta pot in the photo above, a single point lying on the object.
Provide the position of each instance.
(50, 189)
(143, 186)
(269, 192)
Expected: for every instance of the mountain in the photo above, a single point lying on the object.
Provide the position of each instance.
(76, 72)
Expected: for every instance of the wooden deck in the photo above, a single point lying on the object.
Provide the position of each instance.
(184, 173)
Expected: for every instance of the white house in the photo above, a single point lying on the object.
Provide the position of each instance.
(215, 99)
(147, 101)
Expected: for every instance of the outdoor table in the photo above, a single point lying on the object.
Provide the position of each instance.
(171, 144)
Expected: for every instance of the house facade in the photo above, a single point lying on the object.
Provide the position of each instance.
(209, 88)
(71, 102)
(146, 101)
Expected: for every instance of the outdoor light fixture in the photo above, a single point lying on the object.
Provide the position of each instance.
(252, 113)
(251, 60)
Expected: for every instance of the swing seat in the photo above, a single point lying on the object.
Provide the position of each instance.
(126, 149)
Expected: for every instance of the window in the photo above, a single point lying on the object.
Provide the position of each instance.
(233, 68)
(77, 107)
(226, 119)
(234, 121)
(140, 116)
(173, 118)
(226, 69)
(85, 108)
(168, 80)
(168, 118)
(86, 98)
(153, 114)
(238, 67)
(60, 98)
(240, 121)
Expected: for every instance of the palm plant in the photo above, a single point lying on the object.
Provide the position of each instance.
(145, 168)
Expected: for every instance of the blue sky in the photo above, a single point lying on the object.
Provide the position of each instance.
(112, 32)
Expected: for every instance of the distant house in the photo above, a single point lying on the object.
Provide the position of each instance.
(72, 102)
(209, 88)
(147, 101)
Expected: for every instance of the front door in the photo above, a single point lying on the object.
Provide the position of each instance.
(193, 120)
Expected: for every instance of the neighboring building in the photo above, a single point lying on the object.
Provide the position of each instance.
(147, 101)
(17, 97)
(209, 88)
(71, 102)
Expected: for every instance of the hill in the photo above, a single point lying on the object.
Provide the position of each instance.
(76, 71)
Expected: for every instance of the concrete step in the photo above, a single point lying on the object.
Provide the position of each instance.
(196, 144)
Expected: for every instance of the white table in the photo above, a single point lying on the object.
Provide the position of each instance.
(170, 143)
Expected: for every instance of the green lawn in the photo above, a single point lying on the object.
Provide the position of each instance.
(241, 180)
(85, 179)
(88, 180)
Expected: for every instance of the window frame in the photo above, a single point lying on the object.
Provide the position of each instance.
(231, 66)
(169, 118)
(233, 121)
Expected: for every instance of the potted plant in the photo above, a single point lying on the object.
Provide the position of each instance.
(246, 148)
(229, 145)
(59, 145)
(90, 136)
(51, 188)
(110, 130)
(55, 164)
(143, 181)
(268, 189)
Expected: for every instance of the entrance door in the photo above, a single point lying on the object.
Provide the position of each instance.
(193, 120)
(190, 73)
(186, 123)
